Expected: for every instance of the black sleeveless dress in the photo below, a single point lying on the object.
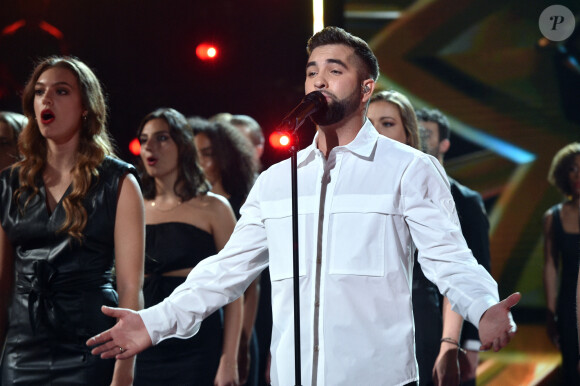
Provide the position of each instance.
(567, 246)
(194, 361)
(60, 284)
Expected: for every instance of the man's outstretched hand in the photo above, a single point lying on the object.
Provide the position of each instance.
(128, 337)
(496, 326)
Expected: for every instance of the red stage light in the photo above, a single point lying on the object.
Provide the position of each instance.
(206, 51)
(135, 147)
(279, 140)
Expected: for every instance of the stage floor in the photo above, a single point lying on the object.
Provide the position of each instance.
(529, 359)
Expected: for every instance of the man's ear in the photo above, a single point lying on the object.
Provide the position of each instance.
(368, 86)
(444, 146)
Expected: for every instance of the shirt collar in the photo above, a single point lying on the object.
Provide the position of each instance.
(362, 145)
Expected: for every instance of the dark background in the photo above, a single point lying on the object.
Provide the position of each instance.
(143, 52)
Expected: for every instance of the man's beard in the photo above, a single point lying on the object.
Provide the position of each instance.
(424, 137)
(336, 110)
(433, 152)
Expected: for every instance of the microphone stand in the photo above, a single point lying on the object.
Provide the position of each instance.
(296, 264)
(312, 102)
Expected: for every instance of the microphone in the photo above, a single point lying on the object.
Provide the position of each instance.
(311, 103)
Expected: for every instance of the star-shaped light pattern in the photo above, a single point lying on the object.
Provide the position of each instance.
(480, 64)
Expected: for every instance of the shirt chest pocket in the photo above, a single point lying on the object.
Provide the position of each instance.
(277, 218)
(358, 230)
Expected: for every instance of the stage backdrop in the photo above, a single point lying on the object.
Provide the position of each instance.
(143, 51)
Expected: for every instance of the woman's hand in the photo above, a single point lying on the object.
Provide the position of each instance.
(227, 374)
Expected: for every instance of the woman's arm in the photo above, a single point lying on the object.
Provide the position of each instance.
(227, 374)
(550, 277)
(223, 225)
(446, 367)
(251, 300)
(129, 257)
(6, 282)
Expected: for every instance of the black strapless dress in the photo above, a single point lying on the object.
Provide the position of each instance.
(194, 361)
(568, 253)
(60, 284)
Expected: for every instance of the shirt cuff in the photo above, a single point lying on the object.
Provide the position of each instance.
(478, 307)
(155, 322)
(471, 345)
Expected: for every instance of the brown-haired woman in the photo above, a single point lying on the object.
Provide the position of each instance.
(227, 158)
(185, 223)
(562, 253)
(392, 114)
(70, 212)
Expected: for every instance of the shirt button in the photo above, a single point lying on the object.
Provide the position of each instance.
(316, 348)
(317, 303)
(318, 261)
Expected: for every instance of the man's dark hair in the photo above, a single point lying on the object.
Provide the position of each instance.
(336, 35)
(434, 115)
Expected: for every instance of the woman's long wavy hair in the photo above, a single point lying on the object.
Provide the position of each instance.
(94, 143)
(232, 152)
(191, 181)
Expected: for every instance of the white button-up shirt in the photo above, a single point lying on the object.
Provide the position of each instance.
(359, 213)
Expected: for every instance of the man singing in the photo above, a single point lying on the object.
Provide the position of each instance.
(364, 200)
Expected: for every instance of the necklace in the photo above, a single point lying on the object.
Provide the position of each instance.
(157, 207)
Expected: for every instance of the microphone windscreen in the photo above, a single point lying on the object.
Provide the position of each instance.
(317, 98)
